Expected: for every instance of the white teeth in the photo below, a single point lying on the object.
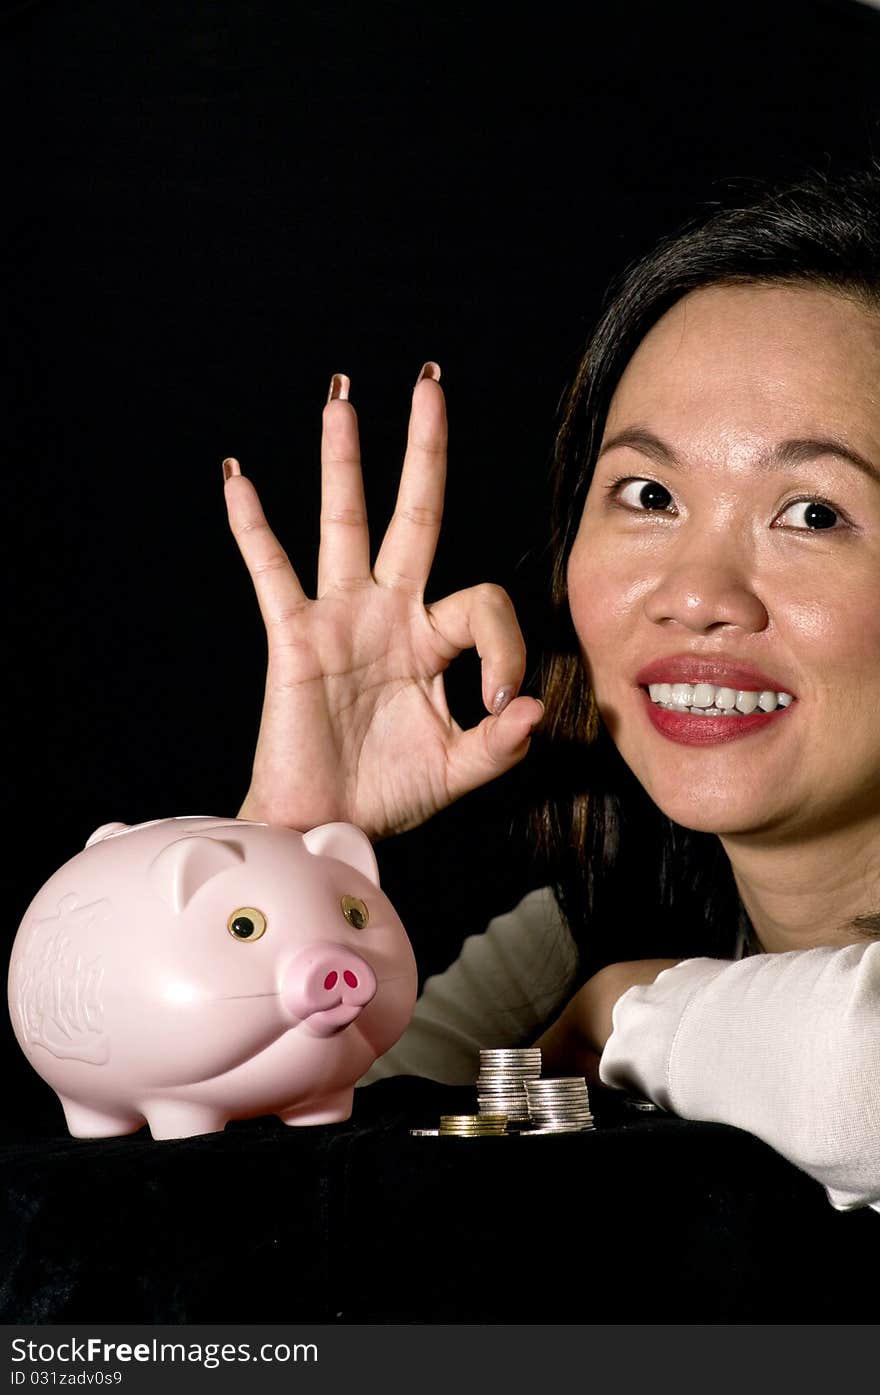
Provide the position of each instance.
(746, 701)
(705, 699)
(704, 695)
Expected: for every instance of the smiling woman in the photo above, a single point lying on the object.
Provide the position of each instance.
(722, 571)
(709, 759)
(733, 376)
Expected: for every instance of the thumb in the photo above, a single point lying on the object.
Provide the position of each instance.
(493, 746)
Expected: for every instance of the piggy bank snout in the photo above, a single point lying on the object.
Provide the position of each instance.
(327, 985)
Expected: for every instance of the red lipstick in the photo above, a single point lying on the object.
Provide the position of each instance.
(688, 730)
(724, 672)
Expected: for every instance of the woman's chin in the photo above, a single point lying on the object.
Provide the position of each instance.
(708, 809)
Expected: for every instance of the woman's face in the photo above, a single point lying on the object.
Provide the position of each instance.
(714, 556)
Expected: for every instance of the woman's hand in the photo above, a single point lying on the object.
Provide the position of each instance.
(573, 1045)
(355, 724)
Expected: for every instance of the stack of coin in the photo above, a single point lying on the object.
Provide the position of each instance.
(502, 1080)
(473, 1125)
(559, 1106)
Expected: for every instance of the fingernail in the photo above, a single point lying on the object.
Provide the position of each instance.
(339, 385)
(502, 698)
(430, 370)
(230, 467)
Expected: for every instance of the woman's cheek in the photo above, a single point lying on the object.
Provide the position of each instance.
(604, 595)
(582, 599)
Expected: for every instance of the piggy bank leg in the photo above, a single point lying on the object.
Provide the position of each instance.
(182, 1118)
(85, 1122)
(330, 1109)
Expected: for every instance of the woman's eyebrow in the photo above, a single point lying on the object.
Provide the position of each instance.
(795, 451)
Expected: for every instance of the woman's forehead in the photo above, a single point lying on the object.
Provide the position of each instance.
(756, 357)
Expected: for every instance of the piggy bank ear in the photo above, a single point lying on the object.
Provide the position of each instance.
(347, 843)
(182, 867)
(104, 832)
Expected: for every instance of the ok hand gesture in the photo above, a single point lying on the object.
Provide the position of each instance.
(355, 724)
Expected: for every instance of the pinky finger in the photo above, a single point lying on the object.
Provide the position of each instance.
(276, 584)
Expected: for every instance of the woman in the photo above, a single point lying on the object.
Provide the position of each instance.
(712, 762)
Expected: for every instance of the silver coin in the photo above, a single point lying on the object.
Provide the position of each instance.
(504, 1079)
(561, 1121)
(550, 1096)
(573, 1082)
(424, 1133)
(515, 1067)
(543, 1130)
(552, 1102)
(556, 1087)
(568, 1114)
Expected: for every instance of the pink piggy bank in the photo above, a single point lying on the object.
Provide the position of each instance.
(189, 971)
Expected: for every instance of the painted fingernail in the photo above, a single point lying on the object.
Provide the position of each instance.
(339, 385)
(502, 698)
(230, 467)
(430, 370)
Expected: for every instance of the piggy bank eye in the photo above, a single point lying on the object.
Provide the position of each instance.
(355, 912)
(247, 923)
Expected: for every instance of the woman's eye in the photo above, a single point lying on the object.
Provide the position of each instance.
(642, 494)
(815, 515)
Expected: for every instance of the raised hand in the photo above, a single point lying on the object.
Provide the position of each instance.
(355, 724)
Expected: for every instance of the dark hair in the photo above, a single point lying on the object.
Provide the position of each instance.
(632, 883)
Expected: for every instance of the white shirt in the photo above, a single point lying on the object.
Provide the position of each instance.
(785, 1046)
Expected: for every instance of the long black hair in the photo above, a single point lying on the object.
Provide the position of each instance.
(632, 883)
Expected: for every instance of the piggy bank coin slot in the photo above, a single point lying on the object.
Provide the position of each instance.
(355, 912)
(246, 924)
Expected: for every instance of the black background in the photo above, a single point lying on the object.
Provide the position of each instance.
(209, 209)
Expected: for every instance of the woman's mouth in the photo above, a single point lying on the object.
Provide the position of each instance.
(710, 699)
(703, 714)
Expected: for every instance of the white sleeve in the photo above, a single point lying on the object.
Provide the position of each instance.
(785, 1046)
(504, 984)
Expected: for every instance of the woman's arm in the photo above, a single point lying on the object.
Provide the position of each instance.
(786, 1046)
(574, 1043)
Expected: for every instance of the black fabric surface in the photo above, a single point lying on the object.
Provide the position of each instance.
(648, 1218)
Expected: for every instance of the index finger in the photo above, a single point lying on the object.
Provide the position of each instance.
(410, 540)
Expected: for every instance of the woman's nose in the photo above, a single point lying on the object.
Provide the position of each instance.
(708, 587)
